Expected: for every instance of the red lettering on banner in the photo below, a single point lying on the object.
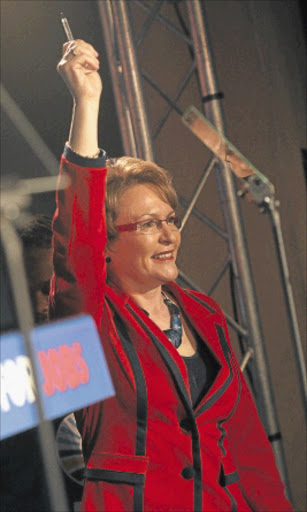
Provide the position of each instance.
(60, 379)
(67, 361)
(63, 367)
(83, 369)
(47, 372)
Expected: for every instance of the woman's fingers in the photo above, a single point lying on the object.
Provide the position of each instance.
(78, 67)
(74, 60)
(81, 45)
(78, 53)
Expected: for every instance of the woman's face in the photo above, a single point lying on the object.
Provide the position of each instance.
(141, 262)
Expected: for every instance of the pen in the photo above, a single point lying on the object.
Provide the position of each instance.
(66, 28)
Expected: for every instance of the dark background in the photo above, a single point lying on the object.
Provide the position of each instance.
(31, 40)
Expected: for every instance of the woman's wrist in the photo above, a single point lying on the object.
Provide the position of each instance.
(83, 137)
(95, 155)
(91, 103)
(83, 161)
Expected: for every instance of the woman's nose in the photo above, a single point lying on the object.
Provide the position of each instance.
(168, 233)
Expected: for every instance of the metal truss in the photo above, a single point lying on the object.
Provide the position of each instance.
(130, 82)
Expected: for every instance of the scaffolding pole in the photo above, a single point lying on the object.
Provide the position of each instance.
(244, 288)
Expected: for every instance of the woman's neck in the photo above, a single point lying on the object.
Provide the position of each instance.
(151, 301)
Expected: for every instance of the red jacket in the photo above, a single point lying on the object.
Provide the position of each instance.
(147, 449)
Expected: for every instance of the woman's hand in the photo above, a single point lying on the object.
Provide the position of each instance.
(79, 69)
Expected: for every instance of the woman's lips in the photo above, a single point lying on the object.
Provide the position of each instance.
(162, 256)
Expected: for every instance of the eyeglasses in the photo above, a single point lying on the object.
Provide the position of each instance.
(151, 225)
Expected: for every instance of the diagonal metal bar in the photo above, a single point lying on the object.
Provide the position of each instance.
(149, 21)
(224, 267)
(28, 132)
(165, 22)
(198, 190)
(178, 93)
(162, 93)
(247, 356)
(237, 327)
(202, 217)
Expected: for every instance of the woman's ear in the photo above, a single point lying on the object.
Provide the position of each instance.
(108, 253)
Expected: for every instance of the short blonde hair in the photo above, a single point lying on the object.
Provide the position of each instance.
(125, 172)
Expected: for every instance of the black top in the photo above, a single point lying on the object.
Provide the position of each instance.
(202, 369)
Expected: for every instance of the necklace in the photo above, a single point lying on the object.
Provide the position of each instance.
(174, 334)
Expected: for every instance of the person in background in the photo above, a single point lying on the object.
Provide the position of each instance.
(23, 487)
(182, 432)
(36, 239)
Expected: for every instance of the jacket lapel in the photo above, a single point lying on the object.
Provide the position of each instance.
(207, 321)
(205, 318)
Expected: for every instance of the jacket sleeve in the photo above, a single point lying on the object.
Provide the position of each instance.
(79, 238)
(260, 482)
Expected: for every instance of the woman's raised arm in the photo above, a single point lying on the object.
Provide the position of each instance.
(79, 69)
(79, 226)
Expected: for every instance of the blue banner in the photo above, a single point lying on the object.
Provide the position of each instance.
(72, 373)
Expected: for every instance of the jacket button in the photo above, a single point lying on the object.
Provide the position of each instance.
(187, 472)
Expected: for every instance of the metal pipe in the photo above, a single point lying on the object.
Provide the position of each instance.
(285, 276)
(151, 18)
(222, 271)
(176, 97)
(237, 327)
(248, 355)
(13, 252)
(28, 132)
(245, 289)
(131, 76)
(198, 190)
(219, 231)
(164, 22)
(162, 93)
(123, 113)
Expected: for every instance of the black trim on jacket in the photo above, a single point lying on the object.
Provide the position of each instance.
(82, 161)
(182, 390)
(226, 351)
(227, 354)
(188, 292)
(233, 477)
(141, 406)
(115, 477)
(234, 507)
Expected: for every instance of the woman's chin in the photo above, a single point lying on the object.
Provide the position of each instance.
(169, 274)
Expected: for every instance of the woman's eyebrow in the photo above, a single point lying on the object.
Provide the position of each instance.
(155, 215)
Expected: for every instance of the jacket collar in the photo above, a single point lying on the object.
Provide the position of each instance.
(208, 321)
(205, 317)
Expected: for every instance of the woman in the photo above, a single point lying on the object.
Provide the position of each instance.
(182, 433)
